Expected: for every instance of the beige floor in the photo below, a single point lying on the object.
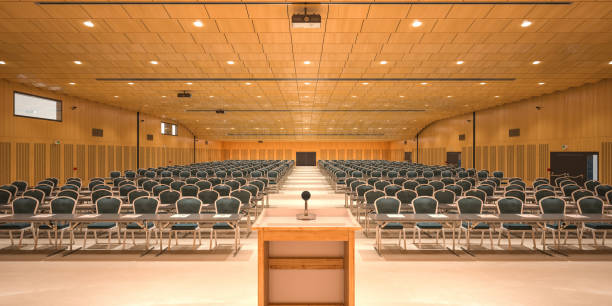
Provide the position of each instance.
(431, 275)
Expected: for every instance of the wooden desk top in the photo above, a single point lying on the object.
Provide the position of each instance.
(285, 219)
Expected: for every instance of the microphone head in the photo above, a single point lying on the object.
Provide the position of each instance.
(305, 195)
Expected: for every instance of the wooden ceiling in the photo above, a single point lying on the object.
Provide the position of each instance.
(39, 43)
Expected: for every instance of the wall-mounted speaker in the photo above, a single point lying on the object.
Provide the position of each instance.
(97, 132)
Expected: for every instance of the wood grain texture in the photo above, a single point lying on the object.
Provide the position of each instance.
(306, 263)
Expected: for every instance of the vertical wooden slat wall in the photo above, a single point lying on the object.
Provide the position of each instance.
(5, 162)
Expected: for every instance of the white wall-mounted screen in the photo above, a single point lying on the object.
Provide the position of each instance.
(168, 129)
(31, 106)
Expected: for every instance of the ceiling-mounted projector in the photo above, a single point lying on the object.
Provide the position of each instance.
(306, 21)
(183, 94)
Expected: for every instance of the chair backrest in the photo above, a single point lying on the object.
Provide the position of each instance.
(514, 187)
(488, 189)
(373, 180)
(202, 184)
(227, 205)
(545, 187)
(447, 181)
(609, 197)
(380, 185)
(422, 180)
(146, 205)
(260, 185)
(569, 189)
(371, 195)
(208, 196)
(148, 185)
(444, 196)
(189, 190)
(243, 195)
(477, 193)
(509, 205)
(191, 180)
(166, 181)
(406, 196)
(215, 181)
(35, 193)
(176, 185)
(135, 194)
(469, 205)
(552, 205)
(188, 205)
(362, 189)
(68, 193)
(516, 194)
(21, 185)
(94, 183)
(590, 205)
(387, 205)
(169, 196)
(581, 193)
(543, 193)
(25, 205)
(424, 190)
(71, 187)
(466, 185)
(126, 189)
(410, 184)
(425, 205)
(601, 190)
(498, 174)
(391, 190)
(355, 184)
(399, 181)
(458, 190)
(63, 205)
(252, 189)
(233, 184)
(437, 185)
(222, 189)
(45, 188)
(100, 193)
(108, 205)
(157, 189)
(589, 185)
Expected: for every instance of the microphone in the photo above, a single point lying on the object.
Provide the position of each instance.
(305, 215)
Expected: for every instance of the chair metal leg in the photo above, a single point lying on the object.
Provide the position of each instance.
(419, 232)
(509, 240)
(565, 240)
(110, 235)
(443, 238)
(491, 237)
(21, 238)
(35, 234)
(522, 238)
(533, 237)
(211, 239)
(499, 237)
(11, 237)
(467, 239)
(85, 238)
(594, 239)
(579, 233)
(169, 239)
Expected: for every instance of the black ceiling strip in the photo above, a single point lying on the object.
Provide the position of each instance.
(298, 134)
(305, 3)
(305, 110)
(304, 79)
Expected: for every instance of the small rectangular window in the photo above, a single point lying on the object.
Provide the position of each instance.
(168, 129)
(26, 105)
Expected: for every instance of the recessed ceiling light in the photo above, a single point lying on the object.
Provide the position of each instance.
(306, 83)
(383, 62)
(459, 62)
(496, 97)
(536, 62)
(541, 83)
(416, 24)
(403, 128)
(4, 63)
(72, 83)
(401, 96)
(116, 97)
(188, 83)
(198, 23)
(257, 128)
(259, 96)
(449, 96)
(609, 63)
(230, 62)
(306, 62)
(353, 96)
(306, 97)
(483, 83)
(424, 83)
(231, 128)
(364, 83)
(211, 97)
(163, 96)
(282, 128)
(247, 83)
(307, 128)
(380, 128)
(354, 128)
(78, 62)
(130, 83)
(153, 62)
(208, 128)
(88, 24)
(526, 23)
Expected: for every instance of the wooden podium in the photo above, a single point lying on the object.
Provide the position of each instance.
(306, 262)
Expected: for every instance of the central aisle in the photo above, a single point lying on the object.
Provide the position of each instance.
(306, 178)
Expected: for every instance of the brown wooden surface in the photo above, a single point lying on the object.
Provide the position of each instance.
(305, 263)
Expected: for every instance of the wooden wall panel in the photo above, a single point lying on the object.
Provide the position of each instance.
(605, 162)
(55, 161)
(22, 165)
(367, 154)
(501, 160)
(478, 154)
(289, 154)
(485, 158)
(110, 153)
(520, 161)
(279, 154)
(68, 161)
(5, 162)
(464, 157)
(332, 154)
(531, 162)
(102, 161)
(493, 159)
(341, 154)
(81, 160)
(510, 161)
(270, 154)
(543, 160)
(40, 162)
(92, 168)
(359, 154)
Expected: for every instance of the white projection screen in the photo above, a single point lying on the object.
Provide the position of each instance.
(30, 106)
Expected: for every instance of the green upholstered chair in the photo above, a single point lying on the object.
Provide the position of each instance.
(69, 193)
(70, 187)
(447, 181)
(427, 205)
(411, 184)
(60, 205)
(512, 205)
(208, 196)
(102, 187)
(235, 185)
(553, 205)
(135, 194)
(45, 188)
(148, 185)
(424, 190)
(105, 205)
(444, 196)
(367, 206)
(488, 189)
(99, 194)
(514, 187)
(169, 196)
(466, 185)
(477, 193)
(245, 199)
(545, 187)
(21, 205)
(389, 205)
(581, 193)
(543, 193)
(143, 205)
(186, 205)
(203, 184)
(6, 196)
(191, 180)
(588, 185)
(519, 194)
(380, 185)
(124, 190)
(569, 189)
(189, 190)
(176, 185)
(437, 185)
(222, 189)
(601, 190)
(391, 190)
(166, 180)
(21, 185)
(35, 193)
(473, 205)
(157, 189)
(406, 196)
(226, 205)
(595, 206)
(458, 190)
(422, 180)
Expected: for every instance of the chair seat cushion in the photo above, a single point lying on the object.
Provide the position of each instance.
(555, 226)
(517, 227)
(222, 225)
(136, 226)
(340, 182)
(185, 227)
(102, 225)
(14, 226)
(429, 225)
(393, 225)
(48, 227)
(479, 226)
(599, 226)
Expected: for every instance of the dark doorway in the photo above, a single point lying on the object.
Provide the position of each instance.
(580, 166)
(305, 158)
(408, 156)
(453, 159)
